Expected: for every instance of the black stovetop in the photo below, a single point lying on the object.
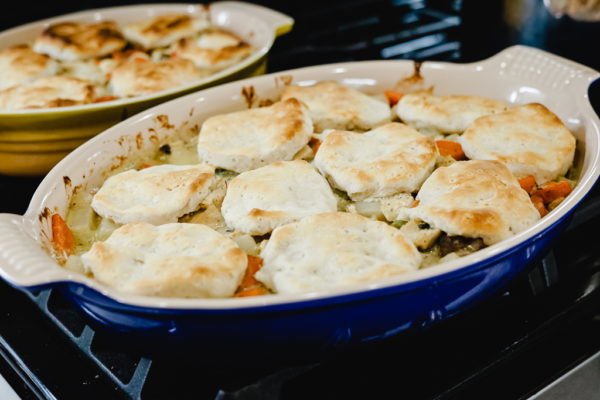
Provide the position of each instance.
(507, 347)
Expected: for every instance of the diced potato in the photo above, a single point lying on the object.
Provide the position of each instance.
(369, 208)
(428, 131)
(444, 161)
(343, 201)
(74, 264)
(81, 220)
(350, 207)
(449, 257)
(262, 245)
(422, 237)
(105, 228)
(430, 258)
(305, 153)
(433, 257)
(246, 243)
(212, 217)
(390, 206)
(217, 195)
(554, 203)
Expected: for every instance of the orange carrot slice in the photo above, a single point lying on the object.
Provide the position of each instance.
(104, 98)
(527, 183)
(551, 191)
(120, 55)
(257, 291)
(314, 144)
(62, 237)
(393, 96)
(538, 202)
(249, 285)
(453, 149)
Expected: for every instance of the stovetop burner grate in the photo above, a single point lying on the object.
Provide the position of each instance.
(367, 30)
(126, 371)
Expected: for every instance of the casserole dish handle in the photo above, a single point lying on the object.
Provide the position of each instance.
(280, 23)
(545, 69)
(23, 262)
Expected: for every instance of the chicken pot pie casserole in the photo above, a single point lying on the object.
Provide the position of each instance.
(73, 63)
(326, 186)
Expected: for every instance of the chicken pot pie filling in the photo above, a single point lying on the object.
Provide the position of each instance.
(114, 62)
(339, 206)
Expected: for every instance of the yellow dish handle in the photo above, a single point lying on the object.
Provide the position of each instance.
(281, 23)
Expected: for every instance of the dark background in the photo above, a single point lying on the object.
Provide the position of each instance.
(488, 25)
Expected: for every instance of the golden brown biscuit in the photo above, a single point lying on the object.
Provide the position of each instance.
(476, 199)
(171, 260)
(157, 195)
(444, 114)
(260, 200)
(71, 41)
(244, 140)
(213, 49)
(163, 30)
(20, 64)
(333, 249)
(529, 139)
(334, 106)
(387, 160)
(139, 77)
(53, 91)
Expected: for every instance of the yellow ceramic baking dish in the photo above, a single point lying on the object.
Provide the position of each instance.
(32, 141)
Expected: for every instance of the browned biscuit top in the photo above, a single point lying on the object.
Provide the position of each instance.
(162, 30)
(74, 40)
(135, 78)
(20, 64)
(53, 91)
(215, 48)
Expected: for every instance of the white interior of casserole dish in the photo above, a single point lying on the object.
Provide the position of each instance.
(255, 24)
(518, 75)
